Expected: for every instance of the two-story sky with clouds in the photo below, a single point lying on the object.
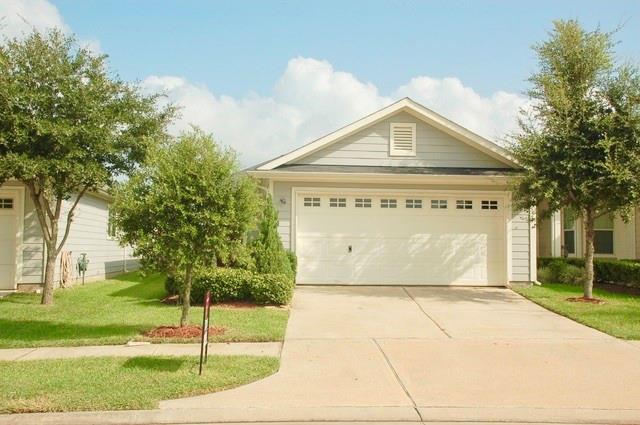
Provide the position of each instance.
(267, 76)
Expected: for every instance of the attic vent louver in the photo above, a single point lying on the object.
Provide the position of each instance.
(402, 141)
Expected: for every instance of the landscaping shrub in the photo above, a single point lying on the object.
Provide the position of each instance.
(625, 272)
(545, 275)
(268, 253)
(573, 275)
(242, 285)
(293, 261)
(271, 289)
(224, 284)
(571, 270)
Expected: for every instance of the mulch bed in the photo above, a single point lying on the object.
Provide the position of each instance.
(189, 331)
(585, 300)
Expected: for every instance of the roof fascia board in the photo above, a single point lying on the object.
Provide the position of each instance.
(381, 178)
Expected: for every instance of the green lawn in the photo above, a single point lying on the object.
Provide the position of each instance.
(619, 316)
(118, 310)
(116, 383)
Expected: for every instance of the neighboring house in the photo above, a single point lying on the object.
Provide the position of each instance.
(403, 196)
(22, 249)
(563, 235)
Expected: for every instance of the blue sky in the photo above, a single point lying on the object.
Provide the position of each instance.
(242, 46)
(267, 76)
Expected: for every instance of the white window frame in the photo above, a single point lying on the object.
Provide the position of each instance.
(111, 228)
(401, 152)
(573, 229)
(613, 238)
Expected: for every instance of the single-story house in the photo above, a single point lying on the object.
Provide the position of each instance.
(563, 235)
(403, 196)
(22, 249)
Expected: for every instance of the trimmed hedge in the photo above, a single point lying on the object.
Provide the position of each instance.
(620, 272)
(228, 284)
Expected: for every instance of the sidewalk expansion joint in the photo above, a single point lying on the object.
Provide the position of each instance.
(425, 313)
(395, 373)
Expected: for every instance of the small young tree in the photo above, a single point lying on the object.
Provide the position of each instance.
(67, 126)
(268, 253)
(580, 145)
(185, 209)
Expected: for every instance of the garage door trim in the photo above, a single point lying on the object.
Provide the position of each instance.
(503, 196)
(18, 193)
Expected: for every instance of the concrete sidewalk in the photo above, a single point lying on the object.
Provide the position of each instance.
(271, 349)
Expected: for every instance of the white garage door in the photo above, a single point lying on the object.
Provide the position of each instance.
(8, 228)
(400, 239)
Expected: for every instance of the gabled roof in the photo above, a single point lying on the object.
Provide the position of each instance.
(407, 105)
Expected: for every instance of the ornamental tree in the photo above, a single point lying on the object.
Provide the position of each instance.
(68, 126)
(580, 143)
(187, 209)
(267, 250)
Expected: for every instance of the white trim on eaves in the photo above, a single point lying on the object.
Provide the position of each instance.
(413, 108)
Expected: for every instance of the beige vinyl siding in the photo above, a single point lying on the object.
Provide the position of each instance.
(370, 147)
(89, 235)
(283, 201)
(32, 245)
(543, 227)
(520, 247)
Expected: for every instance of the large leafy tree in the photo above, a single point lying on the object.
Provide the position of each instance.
(580, 143)
(67, 126)
(188, 208)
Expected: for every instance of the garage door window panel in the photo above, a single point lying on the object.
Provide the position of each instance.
(464, 204)
(311, 202)
(363, 203)
(388, 203)
(489, 205)
(413, 203)
(6, 203)
(438, 204)
(337, 202)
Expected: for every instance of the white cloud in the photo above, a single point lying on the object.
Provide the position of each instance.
(18, 17)
(492, 117)
(311, 99)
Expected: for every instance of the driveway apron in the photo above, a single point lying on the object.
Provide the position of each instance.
(447, 353)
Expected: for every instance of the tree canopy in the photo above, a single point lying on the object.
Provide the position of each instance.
(67, 126)
(579, 143)
(188, 208)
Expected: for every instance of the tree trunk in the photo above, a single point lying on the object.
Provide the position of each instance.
(589, 236)
(186, 296)
(49, 271)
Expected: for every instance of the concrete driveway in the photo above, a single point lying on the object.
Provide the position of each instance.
(436, 354)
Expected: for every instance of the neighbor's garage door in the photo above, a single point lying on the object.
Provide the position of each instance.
(400, 239)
